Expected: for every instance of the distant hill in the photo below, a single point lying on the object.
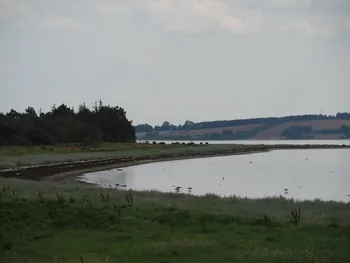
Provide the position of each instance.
(273, 128)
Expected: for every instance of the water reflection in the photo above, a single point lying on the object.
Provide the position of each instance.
(301, 174)
(115, 178)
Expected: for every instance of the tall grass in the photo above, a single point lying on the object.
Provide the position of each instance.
(279, 208)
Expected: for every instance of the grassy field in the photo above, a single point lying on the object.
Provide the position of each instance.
(21, 156)
(47, 222)
(66, 149)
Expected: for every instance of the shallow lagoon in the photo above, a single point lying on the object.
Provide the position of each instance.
(299, 174)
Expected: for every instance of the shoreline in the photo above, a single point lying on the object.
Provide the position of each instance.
(70, 170)
(59, 171)
(72, 175)
(33, 211)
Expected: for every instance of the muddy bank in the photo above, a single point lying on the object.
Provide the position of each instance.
(62, 171)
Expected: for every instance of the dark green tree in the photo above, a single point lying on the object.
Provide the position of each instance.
(63, 125)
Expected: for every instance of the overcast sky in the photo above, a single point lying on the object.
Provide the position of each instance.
(177, 60)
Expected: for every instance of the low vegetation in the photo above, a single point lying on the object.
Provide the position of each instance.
(47, 222)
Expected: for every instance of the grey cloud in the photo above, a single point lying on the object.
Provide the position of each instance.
(37, 14)
(13, 9)
(313, 6)
(241, 17)
(234, 59)
(202, 15)
(304, 28)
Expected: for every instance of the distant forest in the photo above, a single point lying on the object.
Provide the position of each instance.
(65, 125)
(178, 132)
(190, 125)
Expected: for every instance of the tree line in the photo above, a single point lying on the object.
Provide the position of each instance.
(65, 125)
(306, 132)
(190, 125)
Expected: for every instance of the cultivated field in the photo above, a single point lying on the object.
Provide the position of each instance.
(276, 131)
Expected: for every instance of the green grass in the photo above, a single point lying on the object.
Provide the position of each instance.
(102, 147)
(22, 156)
(47, 222)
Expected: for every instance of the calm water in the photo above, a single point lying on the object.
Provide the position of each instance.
(267, 142)
(307, 174)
